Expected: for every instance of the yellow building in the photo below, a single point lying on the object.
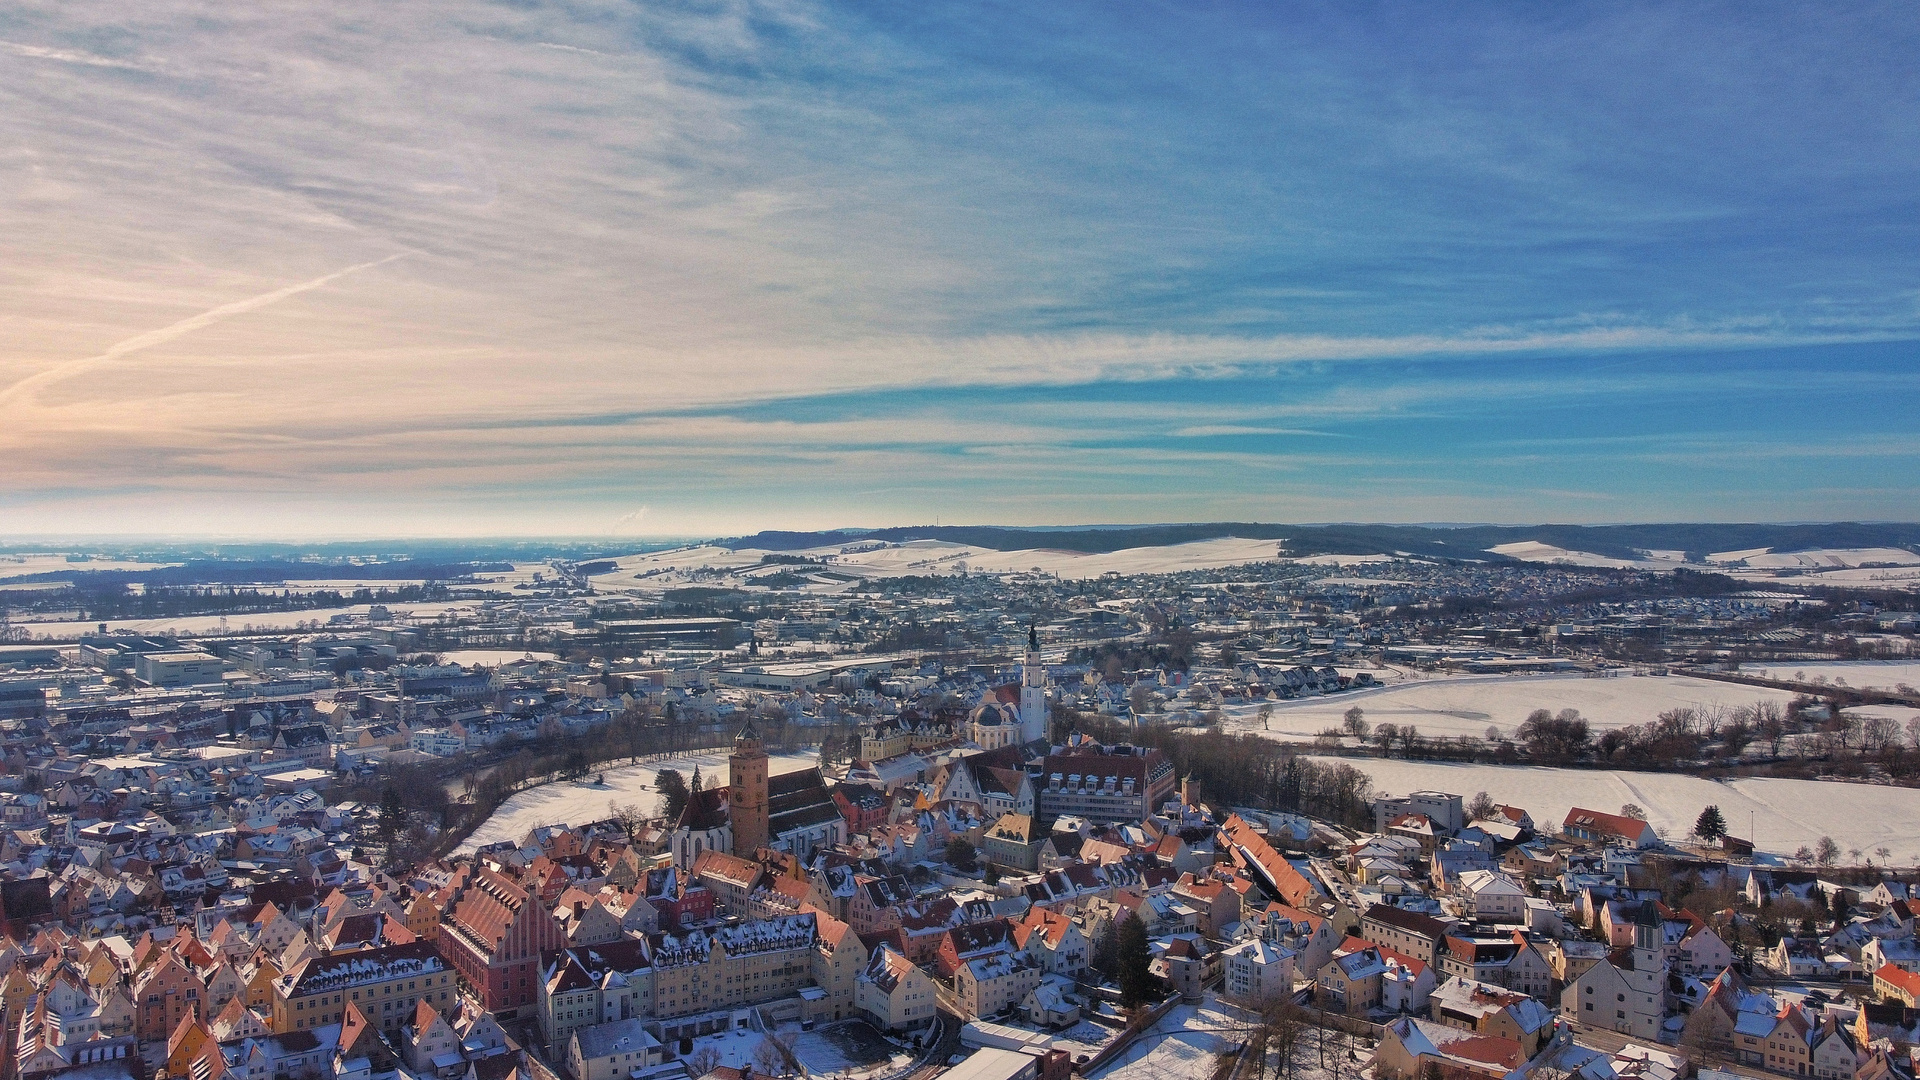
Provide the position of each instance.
(387, 984)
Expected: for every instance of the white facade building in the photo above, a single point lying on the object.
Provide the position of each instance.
(1258, 972)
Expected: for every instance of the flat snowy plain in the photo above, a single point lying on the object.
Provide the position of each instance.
(576, 802)
(1468, 705)
(1860, 674)
(1780, 815)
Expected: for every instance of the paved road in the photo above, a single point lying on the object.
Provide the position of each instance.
(948, 1046)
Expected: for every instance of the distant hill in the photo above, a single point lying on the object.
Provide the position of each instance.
(246, 572)
(1462, 542)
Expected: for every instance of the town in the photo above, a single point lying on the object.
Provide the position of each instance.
(996, 826)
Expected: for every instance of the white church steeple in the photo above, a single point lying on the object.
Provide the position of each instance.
(1033, 690)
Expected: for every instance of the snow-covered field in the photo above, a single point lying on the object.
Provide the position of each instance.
(1819, 558)
(1172, 558)
(1535, 551)
(1825, 564)
(491, 657)
(1468, 705)
(213, 624)
(1885, 577)
(576, 802)
(1780, 815)
(1859, 674)
(56, 563)
(1183, 1044)
(710, 565)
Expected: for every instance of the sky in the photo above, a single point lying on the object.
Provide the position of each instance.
(640, 269)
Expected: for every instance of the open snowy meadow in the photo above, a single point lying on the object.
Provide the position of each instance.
(1859, 674)
(1469, 705)
(1780, 815)
(576, 802)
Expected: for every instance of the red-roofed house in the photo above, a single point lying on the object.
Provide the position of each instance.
(1052, 939)
(1582, 824)
(1412, 1049)
(1251, 852)
(1892, 983)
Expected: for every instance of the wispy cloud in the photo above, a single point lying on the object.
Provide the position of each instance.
(71, 56)
(22, 393)
(723, 247)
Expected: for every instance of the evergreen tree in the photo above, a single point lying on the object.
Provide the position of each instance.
(1711, 825)
(673, 793)
(960, 854)
(992, 876)
(1137, 984)
(695, 785)
(392, 814)
(1106, 950)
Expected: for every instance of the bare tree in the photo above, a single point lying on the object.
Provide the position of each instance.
(769, 1058)
(1280, 1024)
(702, 1061)
(1702, 1044)
(1879, 732)
(1386, 735)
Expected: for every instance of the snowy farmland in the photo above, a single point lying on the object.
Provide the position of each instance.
(1468, 705)
(1781, 815)
(1859, 674)
(576, 802)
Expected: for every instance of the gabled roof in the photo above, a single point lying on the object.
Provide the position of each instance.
(1050, 925)
(1604, 824)
(1287, 883)
(705, 809)
(1484, 1054)
(1906, 981)
(887, 967)
(1413, 922)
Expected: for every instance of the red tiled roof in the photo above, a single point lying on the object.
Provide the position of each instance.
(488, 906)
(1293, 887)
(1605, 824)
(1906, 981)
(1049, 924)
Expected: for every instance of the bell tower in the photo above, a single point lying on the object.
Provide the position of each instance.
(1649, 933)
(1033, 690)
(747, 792)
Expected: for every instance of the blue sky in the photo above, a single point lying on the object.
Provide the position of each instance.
(454, 267)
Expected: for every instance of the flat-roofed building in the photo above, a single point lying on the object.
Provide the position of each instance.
(179, 668)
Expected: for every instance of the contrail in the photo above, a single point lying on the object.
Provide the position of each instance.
(68, 369)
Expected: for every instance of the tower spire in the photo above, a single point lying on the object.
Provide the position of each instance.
(1033, 690)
